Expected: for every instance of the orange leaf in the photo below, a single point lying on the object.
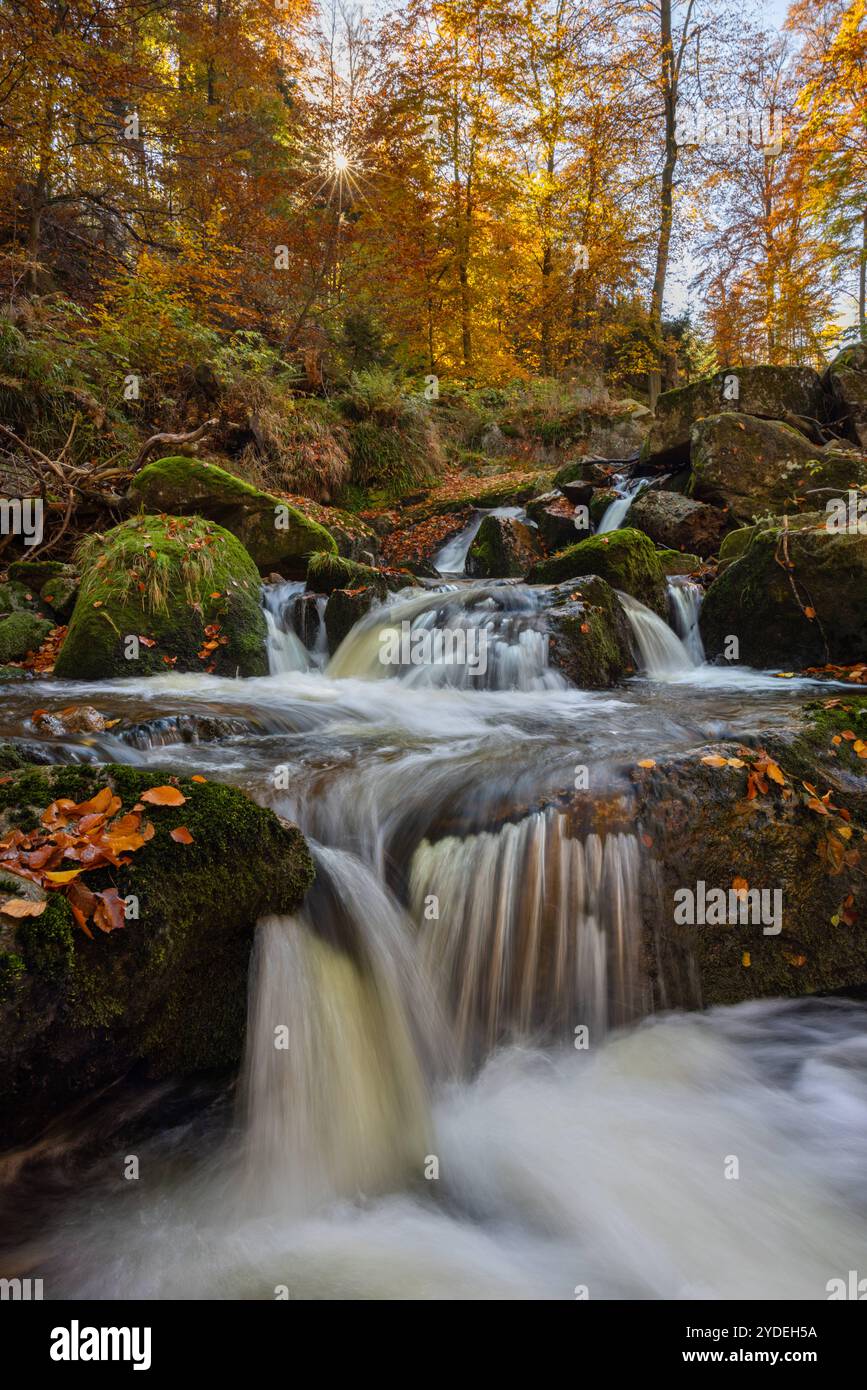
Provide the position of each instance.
(181, 835)
(23, 907)
(63, 875)
(164, 796)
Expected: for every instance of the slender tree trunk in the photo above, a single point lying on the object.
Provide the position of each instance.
(862, 281)
(669, 87)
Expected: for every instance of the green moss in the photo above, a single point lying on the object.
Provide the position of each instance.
(169, 988)
(678, 562)
(277, 535)
(325, 573)
(590, 636)
(165, 579)
(626, 559)
(16, 597)
(21, 633)
(11, 970)
(34, 573)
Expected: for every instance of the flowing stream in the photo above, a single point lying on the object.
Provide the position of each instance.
(433, 1129)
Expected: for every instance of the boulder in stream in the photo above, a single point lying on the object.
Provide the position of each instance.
(22, 632)
(165, 991)
(773, 393)
(502, 549)
(626, 559)
(678, 523)
(741, 820)
(590, 636)
(185, 588)
(795, 598)
(753, 467)
(554, 515)
(278, 536)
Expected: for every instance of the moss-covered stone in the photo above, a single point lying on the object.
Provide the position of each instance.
(34, 573)
(59, 594)
(703, 828)
(752, 467)
(793, 599)
(678, 523)
(16, 597)
(279, 537)
(678, 562)
(846, 380)
(166, 579)
(735, 544)
(502, 548)
(626, 559)
(589, 634)
(772, 393)
(168, 990)
(20, 633)
(555, 516)
(328, 572)
(12, 673)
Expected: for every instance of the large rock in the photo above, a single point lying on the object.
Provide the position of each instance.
(166, 991)
(325, 573)
(795, 598)
(773, 393)
(753, 467)
(678, 523)
(590, 636)
(279, 537)
(735, 544)
(554, 515)
(626, 559)
(846, 380)
(20, 634)
(181, 583)
(704, 829)
(503, 548)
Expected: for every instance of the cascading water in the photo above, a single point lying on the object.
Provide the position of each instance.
(286, 651)
(685, 598)
(627, 489)
(661, 652)
(528, 930)
(452, 558)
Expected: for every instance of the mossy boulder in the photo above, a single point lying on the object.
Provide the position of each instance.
(555, 518)
(279, 537)
(772, 393)
(626, 559)
(167, 993)
(166, 579)
(704, 829)
(584, 470)
(736, 542)
(677, 562)
(59, 594)
(34, 573)
(22, 632)
(503, 548)
(327, 572)
(678, 523)
(795, 598)
(12, 673)
(600, 500)
(590, 637)
(846, 380)
(16, 597)
(753, 467)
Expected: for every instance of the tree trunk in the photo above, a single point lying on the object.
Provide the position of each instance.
(669, 86)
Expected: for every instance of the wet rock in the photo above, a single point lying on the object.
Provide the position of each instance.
(677, 562)
(735, 544)
(325, 573)
(846, 380)
(503, 548)
(678, 523)
(306, 619)
(345, 607)
(59, 594)
(600, 500)
(277, 536)
(578, 493)
(12, 673)
(626, 559)
(590, 638)
(168, 991)
(757, 466)
(585, 470)
(702, 829)
(793, 599)
(554, 516)
(22, 632)
(185, 728)
(772, 393)
(193, 576)
(75, 719)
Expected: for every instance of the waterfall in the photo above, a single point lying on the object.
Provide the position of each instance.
(660, 651)
(685, 598)
(343, 1037)
(286, 652)
(530, 931)
(452, 558)
(627, 489)
(503, 624)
